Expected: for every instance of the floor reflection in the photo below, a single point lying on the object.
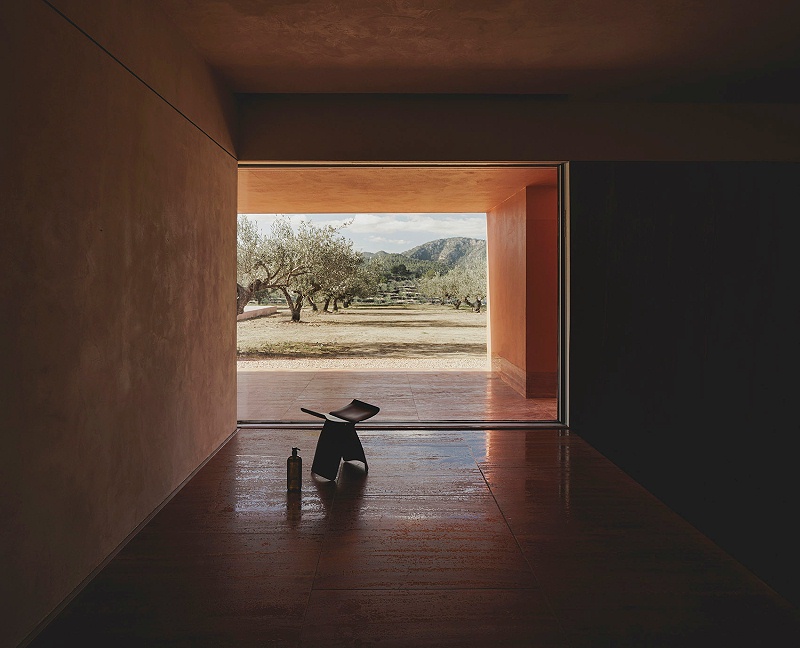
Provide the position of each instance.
(401, 395)
(454, 538)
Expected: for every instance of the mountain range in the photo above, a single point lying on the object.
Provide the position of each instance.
(447, 251)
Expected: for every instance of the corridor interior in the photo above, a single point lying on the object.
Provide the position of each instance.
(453, 538)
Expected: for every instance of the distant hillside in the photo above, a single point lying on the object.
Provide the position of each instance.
(400, 272)
(417, 267)
(448, 251)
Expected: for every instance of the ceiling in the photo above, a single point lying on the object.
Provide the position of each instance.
(658, 49)
(408, 189)
(570, 50)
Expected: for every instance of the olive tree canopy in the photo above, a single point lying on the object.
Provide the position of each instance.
(463, 284)
(299, 263)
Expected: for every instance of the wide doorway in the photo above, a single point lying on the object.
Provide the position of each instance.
(521, 378)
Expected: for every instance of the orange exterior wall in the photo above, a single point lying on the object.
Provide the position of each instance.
(506, 259)
(118, 319)
(522, 234)
(541, 359)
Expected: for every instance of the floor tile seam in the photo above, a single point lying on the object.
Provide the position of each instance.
(549, 603)
(302, 391)
(325, 534)
(414, 400)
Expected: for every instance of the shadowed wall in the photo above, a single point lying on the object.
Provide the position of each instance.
(117, 267)
(523, 128)
(684, 343)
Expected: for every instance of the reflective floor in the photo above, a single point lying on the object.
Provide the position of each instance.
(478, 538)
(402, 395)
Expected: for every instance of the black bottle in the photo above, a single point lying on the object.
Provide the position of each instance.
(294, 471)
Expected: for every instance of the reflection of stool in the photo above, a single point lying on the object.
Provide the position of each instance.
(338, 439)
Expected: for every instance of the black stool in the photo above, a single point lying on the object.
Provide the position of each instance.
(338, 439)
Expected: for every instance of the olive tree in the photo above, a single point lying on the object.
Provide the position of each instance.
(298, 263)
(332, 261)
(443, 287)
(362, 281)
(463, 284)
(250, 265)
(473, 284)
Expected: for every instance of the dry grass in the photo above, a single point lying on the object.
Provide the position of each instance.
(408, 335)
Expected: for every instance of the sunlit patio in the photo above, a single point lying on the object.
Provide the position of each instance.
(403, 396)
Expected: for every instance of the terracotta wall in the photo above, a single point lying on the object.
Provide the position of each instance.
(506, 258)
(541, 357)
(522, 234)
(118, 319)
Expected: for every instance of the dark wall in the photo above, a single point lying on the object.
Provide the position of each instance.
(684, 349)
(523, 128)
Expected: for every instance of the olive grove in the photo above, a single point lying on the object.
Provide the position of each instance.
(301, 264)
(463, 284)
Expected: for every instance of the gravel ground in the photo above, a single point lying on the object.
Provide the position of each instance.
(349, 364)
(404, 338)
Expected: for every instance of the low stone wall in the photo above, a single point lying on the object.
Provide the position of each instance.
(260, 311)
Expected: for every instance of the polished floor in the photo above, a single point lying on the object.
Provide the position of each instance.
(475, 538)
(403, 396)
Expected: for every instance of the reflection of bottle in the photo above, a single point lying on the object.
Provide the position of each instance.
(294, 471)
(294, 503)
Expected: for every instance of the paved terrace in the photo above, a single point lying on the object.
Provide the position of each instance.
(403, 396)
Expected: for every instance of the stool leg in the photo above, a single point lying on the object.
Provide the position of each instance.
(352, 450)
(329, 451)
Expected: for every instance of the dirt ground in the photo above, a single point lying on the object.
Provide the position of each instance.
(401, 337)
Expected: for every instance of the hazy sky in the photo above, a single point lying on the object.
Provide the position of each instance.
(391, 232)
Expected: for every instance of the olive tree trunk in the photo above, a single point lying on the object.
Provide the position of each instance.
(243, 296)
(295, 304)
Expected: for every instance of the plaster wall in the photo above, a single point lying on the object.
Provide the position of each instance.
(146, 43)
(506, 259)
(523, 287)
(541, 353)
(118, 330)
(417, 128)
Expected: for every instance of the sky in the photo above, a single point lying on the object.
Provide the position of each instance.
(390, 232)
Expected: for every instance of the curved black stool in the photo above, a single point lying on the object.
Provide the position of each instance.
(338, 440)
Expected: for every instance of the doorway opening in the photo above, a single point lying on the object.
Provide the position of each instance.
(519, 378)
(378, 291)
